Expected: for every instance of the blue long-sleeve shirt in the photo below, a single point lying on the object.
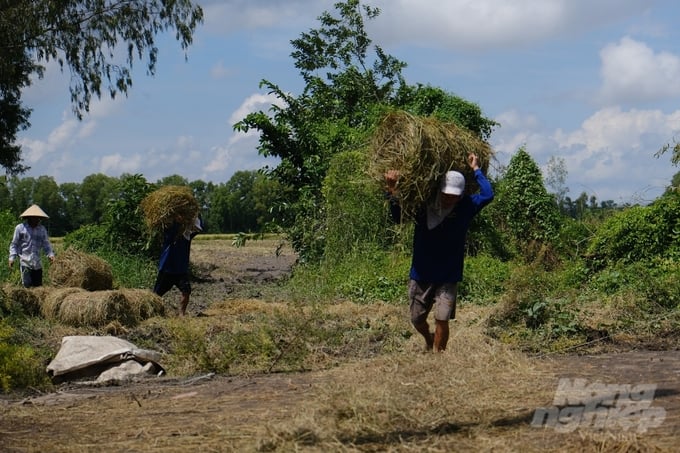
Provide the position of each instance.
(176, 249)
(438, 254)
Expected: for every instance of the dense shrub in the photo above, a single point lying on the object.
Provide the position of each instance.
(484, 279)
(356, 213)
(523, 210)
(20, 365)
(639, 233)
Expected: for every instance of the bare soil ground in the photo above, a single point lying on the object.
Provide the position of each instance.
(247, 413)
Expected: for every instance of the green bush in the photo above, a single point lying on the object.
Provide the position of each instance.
(365, 276)
(484, 279)
(356, 212)
(88, 238)
(523, 209)
(639, 233)
(7, 224)
(20, 365)
(655, 282)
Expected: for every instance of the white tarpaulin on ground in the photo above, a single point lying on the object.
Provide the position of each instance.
(104, 358)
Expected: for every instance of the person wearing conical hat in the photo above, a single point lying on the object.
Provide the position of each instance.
(30, 238)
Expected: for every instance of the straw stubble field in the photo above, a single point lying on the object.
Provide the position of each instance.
(477, 396)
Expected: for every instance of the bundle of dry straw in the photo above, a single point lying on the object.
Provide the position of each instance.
(27, 300)
(423, 149)
(90, 308)
(143, 303)
(78, 307)
(74, 268)
(170, 204)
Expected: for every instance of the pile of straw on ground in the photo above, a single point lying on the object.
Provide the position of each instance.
(27, 300)
(78, 307)
(51, 304)
(94, 309)
(144, 304)
(170, 204)
(423, 149)
(73, 268)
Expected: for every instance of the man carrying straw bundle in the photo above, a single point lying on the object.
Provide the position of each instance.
(29, 239)
(441, 227)
(173, 265)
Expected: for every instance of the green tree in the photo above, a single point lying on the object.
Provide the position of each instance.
(21, 193)
(427, 100)
(202, 191)
(95, 192)
(73, 211)
(346, 81)
(523, 207)
(172, 180)
(46, 195)
(675, 182)
(5, 195)
(556, 178)
(83, 36)
(124, 220)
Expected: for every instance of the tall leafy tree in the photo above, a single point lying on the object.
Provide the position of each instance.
(73, 212)
(86, 37)
(96, 191)
(346, 79)
(46, 195)
(523, 207)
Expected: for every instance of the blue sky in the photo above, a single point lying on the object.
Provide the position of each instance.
(593, 82)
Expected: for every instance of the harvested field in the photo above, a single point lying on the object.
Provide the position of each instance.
(477, 396)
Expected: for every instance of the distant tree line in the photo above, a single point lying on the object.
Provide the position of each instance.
(242, 204)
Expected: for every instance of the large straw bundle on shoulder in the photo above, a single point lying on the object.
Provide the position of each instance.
(423, 149)
(95, 309)
(74, 268)
(170, 204)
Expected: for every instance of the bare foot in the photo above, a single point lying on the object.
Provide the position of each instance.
(429, 342)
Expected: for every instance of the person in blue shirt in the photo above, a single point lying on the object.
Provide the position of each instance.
(440, 230)
(173, 265)
(29, 240)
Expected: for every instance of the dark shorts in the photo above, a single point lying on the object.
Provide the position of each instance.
(31, 277)
(438, 298)
(165, 282)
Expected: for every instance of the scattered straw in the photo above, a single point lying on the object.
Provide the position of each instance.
(422, 149)
(73, 268)
(170, 204)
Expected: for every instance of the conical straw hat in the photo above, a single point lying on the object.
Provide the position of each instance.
(34, 211)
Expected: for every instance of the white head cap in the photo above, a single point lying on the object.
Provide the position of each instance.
(453, 183)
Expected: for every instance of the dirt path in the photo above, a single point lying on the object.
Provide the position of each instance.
(219, 413)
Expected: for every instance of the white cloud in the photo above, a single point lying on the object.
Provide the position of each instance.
(240, 151)
(493, 24)
(611, 155)
(116, 164)
(632, 71)
(253, 103)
